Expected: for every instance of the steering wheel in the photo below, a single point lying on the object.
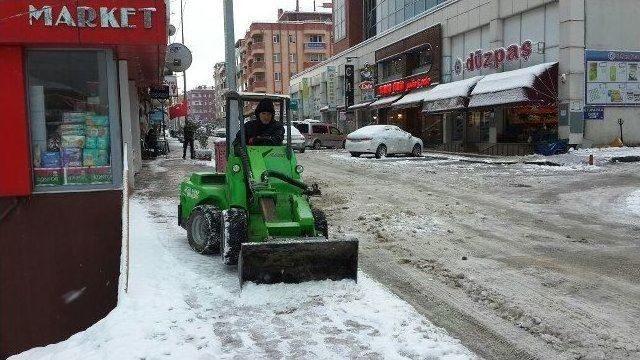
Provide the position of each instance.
(263, 141)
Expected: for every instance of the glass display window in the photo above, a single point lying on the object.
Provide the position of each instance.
(75, 141)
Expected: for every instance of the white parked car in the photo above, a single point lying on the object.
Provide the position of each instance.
(382, 140)
(297, 139)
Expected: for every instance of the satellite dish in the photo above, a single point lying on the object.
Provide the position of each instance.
(178, 57)
(171, 30)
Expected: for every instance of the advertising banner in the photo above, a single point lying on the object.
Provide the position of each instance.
(348, 85)
(612, 78)
(331, 87)
(172, 82)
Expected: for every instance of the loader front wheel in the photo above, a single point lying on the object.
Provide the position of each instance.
(320, 222)
(203, 229)
(234, 233)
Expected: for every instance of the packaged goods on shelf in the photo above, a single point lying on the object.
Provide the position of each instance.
(97, 120)
(71, 157)
(72, 129)
(48, 177)
(74, 117)
(50, 159)
(75, 176)
(92, 130)
(72, 141)
(103, 142)
(100, 175)
(95, 157)
(91, 142)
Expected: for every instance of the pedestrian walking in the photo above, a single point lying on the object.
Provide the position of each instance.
(189, 132)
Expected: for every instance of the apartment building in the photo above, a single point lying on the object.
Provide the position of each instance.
(202, 103)
(272, 53)
(220, 87)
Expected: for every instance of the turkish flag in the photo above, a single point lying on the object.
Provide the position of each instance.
(178, 110)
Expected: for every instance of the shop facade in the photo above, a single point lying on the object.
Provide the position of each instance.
(500, 36)
(75, 79)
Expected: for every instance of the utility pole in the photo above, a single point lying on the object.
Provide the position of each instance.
(184, 73)
(230, 68)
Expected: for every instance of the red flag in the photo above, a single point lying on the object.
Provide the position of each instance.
(178, 110)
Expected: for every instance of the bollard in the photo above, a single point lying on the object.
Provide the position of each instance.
(591, 159)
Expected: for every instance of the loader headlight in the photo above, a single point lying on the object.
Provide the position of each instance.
(235, 168)
(299, 169)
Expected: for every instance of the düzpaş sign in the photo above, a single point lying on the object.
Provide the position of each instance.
(481, 59)
(91, 17)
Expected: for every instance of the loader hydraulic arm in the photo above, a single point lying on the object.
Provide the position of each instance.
(311, 191)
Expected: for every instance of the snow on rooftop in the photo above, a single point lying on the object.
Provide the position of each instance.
(521, 78)
(452, 90)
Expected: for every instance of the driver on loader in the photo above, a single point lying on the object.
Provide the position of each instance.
(264, 130)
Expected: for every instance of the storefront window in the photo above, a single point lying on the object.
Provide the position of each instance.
(71, 130)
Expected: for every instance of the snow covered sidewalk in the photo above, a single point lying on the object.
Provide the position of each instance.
(182, 305)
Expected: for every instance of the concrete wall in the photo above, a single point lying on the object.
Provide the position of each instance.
(621, 33)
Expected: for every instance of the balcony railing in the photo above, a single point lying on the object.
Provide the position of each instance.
(315, 46)
(258, 84)
(257, 47)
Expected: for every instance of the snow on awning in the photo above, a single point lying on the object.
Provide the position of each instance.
(413, 98)
(535, 84)
(360, 106)
(385, 101)
(324, 108)
(450, 96)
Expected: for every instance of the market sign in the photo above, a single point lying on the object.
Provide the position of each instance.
(401, 86)
(90, 17)
(349, 78)
(481, 59)
(611, 78)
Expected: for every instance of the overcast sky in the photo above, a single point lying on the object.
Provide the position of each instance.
(204, 29)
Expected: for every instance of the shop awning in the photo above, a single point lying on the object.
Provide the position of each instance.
(324, 108)
(360, 106)
(450, 96)
(536, 84)
(385, 101)
(413, 98)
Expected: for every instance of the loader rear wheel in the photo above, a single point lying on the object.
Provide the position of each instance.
(320, 222)
(203, 229)
(234, 233)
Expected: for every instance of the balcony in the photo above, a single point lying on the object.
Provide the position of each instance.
(308, 64)
(315, 47)
(258, 86)
(257, 65)
(257, 48)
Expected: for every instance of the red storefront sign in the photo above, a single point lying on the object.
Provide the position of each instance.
(400, 86)
(113, 22)
(178, 110)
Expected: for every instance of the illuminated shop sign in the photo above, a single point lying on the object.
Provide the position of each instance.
(401, 86)
(494, 58)
(91, 17)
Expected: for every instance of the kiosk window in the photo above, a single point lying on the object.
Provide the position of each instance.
(71, 131)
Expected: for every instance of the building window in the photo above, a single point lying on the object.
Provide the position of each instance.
(317, 57)
(392, 69)
(315, 38)
(276, 76)
(292, 39)
(259, 58)
(292, 58)
(276, 38)
(70, 111)
(339, 20)
(276, 57)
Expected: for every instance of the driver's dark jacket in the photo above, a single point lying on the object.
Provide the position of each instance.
(257, 133)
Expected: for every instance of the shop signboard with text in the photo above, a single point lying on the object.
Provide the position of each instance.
(82, 22)
(612, 78)
(402, 86)
(494, 58)
(331, 87)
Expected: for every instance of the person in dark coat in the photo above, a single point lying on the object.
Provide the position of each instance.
(264, 130)
(189, 134)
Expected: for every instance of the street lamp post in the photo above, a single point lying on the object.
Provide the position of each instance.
(230, 68)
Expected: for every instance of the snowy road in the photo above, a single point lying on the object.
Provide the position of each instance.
(517, 261)
(182, 305)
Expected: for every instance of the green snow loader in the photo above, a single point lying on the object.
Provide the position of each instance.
(257, 213)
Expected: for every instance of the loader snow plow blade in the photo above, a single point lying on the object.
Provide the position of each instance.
(298, 260)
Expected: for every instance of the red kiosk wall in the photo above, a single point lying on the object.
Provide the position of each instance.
(15, 164)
